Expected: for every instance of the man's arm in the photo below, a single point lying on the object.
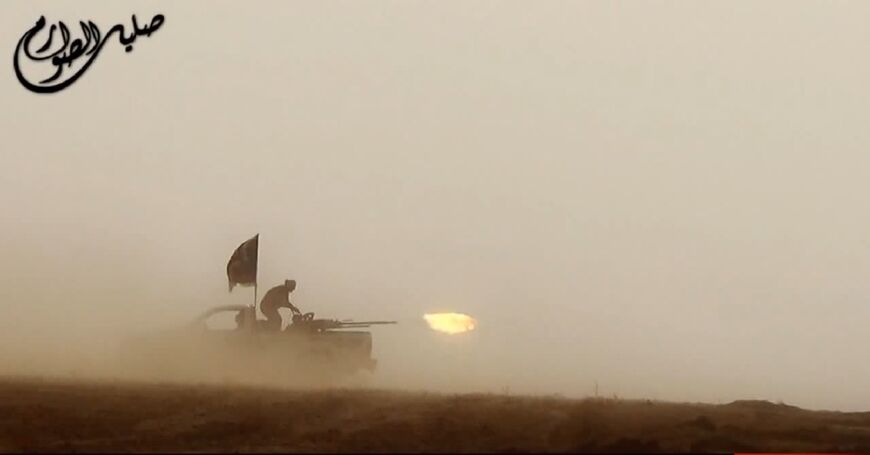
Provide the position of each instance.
(293, 308)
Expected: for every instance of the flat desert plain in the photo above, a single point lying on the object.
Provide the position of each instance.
(64, 415)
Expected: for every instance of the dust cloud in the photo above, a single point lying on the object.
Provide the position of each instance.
(658, 200)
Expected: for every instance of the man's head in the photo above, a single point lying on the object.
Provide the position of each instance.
(290, 285)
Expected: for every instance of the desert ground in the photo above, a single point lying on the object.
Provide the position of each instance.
(66, 415)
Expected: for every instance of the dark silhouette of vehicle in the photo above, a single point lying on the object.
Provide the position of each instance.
(307, 350)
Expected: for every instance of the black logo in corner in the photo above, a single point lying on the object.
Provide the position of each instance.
(72, 57)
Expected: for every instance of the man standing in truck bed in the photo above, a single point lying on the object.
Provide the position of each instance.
(277, 297)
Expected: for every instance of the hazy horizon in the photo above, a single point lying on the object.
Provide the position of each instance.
(662, 196)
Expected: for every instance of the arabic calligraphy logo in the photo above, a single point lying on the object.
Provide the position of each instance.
(72, 58)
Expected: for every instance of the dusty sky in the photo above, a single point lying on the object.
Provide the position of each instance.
(665, 197)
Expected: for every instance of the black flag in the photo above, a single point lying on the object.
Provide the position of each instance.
(242, 268)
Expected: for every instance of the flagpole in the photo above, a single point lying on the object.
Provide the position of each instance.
(255, 301)
(238, 269)
(256, 272)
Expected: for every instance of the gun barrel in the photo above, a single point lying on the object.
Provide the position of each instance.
(364, 323)
(371, 322)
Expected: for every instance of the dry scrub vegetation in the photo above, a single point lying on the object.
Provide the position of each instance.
(66, 416)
